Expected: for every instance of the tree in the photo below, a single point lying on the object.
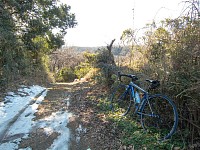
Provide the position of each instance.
(192, 9)
(30, 28)
(110, 55)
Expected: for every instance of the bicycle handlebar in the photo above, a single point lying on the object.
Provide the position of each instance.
(133, 77)
(153, 83)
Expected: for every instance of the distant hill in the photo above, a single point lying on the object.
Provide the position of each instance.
(83, 49)
(115, 50)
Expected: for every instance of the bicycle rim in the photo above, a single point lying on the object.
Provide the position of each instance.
(120, 101)
(164, 119)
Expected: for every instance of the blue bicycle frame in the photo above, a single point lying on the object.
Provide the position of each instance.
(145, 96)
(155, 110)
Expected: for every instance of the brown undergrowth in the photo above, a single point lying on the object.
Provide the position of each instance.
(99, 133)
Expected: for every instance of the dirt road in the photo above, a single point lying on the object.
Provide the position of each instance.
(87, 124)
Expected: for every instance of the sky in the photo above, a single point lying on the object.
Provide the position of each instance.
(21, 100)
(100, 21)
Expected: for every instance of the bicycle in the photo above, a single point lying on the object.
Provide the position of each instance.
(157, 112)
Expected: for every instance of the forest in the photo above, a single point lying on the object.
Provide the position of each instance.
(31, 40)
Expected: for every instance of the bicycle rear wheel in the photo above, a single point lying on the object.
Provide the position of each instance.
(159, 115)
(120, 101)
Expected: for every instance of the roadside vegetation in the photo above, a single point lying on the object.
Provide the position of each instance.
(30, 31)
(168, 51)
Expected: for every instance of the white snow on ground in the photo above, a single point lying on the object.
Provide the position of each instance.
(79, 131)
(14, 103)
(58, 122)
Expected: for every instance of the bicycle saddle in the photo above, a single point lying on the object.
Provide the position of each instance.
(154, 83)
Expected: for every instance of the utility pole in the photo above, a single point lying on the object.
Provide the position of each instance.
(133, 14)
(133, 17)
(132, 34)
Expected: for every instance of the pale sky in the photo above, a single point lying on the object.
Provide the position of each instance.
(100, 21)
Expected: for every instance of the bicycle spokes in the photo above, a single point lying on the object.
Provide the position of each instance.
(120, 101)
(158, 115)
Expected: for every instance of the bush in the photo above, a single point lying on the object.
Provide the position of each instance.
(66, 74)
(105, 62)
(93, 74)
(82, 69)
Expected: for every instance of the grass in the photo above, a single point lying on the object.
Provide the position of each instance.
(129, 127)
(132, 134)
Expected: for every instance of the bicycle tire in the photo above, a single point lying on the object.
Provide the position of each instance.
(120, 101)
(164, 121)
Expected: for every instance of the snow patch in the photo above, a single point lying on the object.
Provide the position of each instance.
(79, 131)
(23, 100)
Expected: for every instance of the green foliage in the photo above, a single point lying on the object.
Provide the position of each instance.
(128, 128)
(134, 135)
(85, 67)
(66, 75)
(39, 20)
(127, 36)
(82, 69)
(90, 57)
(103, 105)
(28, 31)
(103, 57)
(170, 53)
(130, 131)
(105, 61)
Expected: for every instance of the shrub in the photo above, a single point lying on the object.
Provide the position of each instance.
(66, 74)
(82, 69)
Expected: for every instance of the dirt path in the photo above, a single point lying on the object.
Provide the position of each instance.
(88, 126)
(96, 132)
(89, 129)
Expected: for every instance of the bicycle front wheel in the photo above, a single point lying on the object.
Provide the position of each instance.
(120, 101)
(159, 116)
